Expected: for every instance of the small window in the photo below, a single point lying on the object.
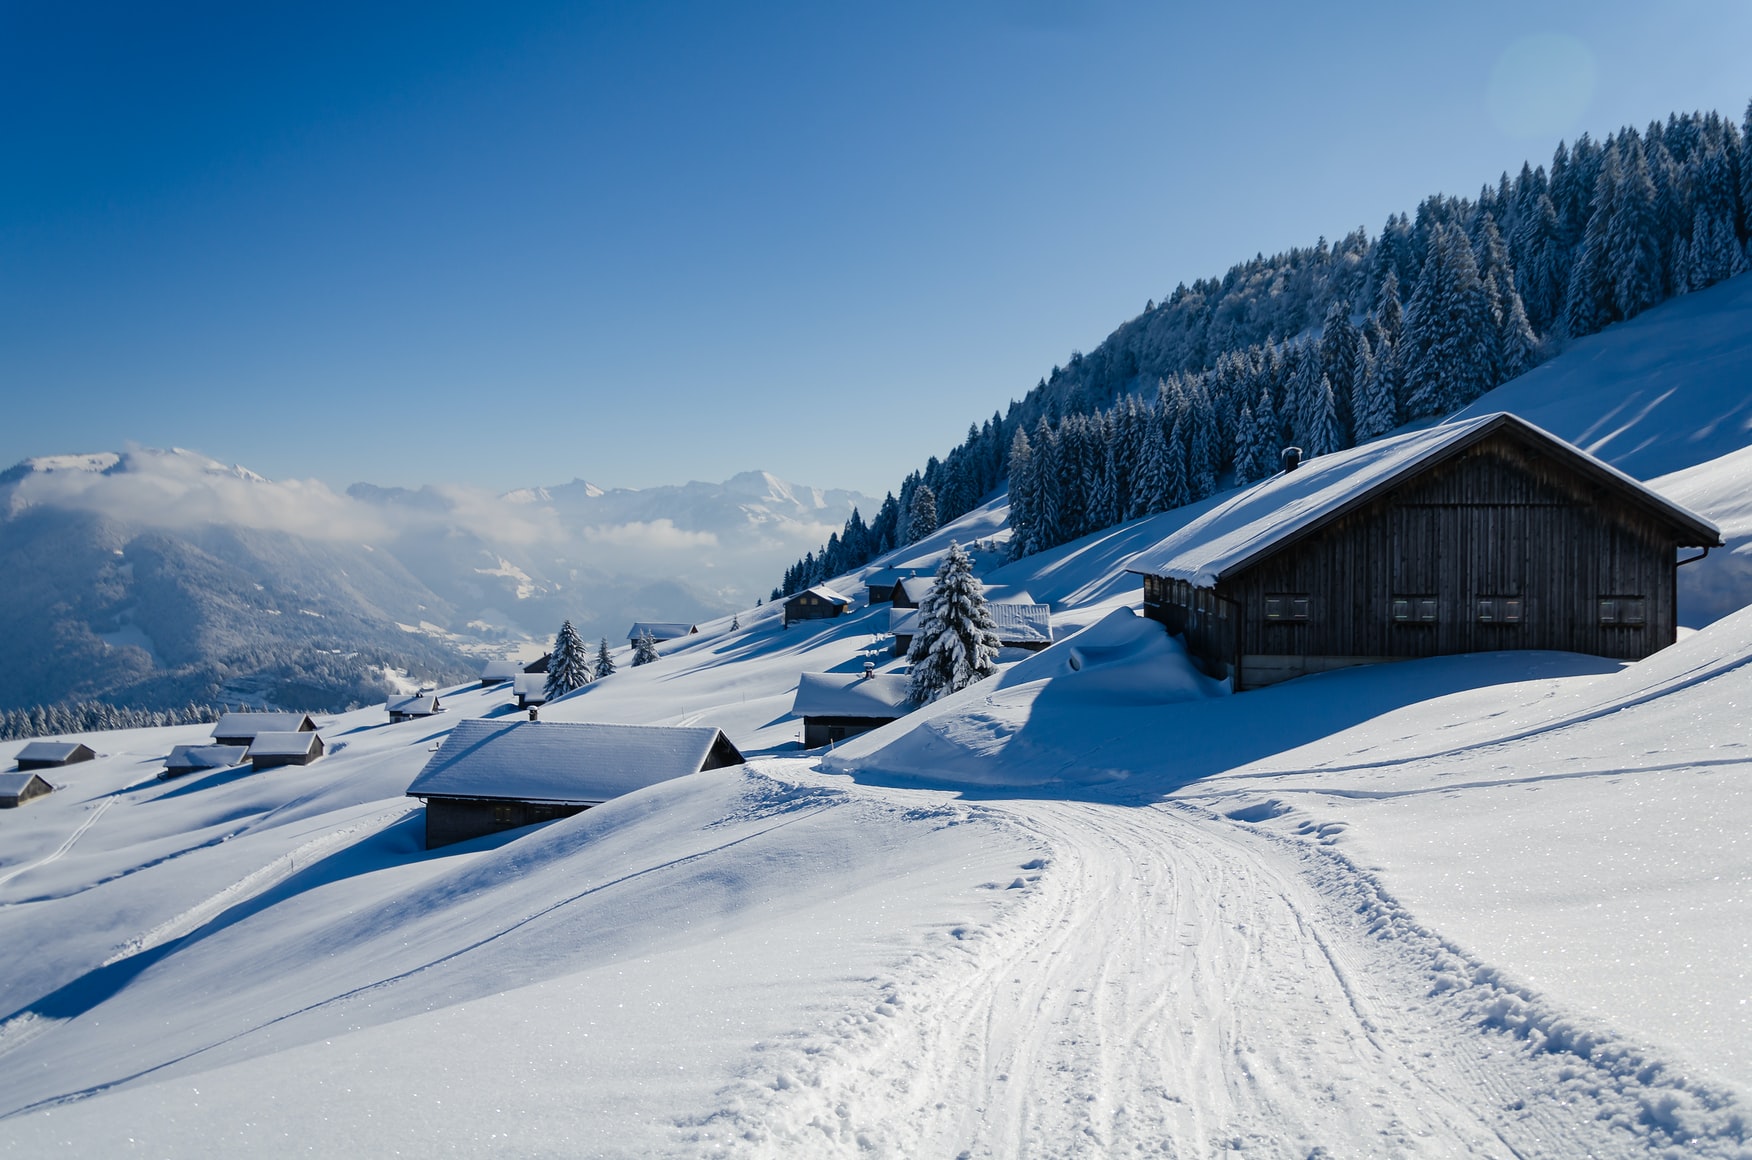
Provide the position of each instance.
(502, 814)
(1414, 609)
(1499, 610)
(1284, 606)
(1626, 611)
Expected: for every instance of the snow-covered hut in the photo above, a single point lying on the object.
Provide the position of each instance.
(18, 788)
(269, 750)
(880, 584)
(817, 603)
(53, 754)
(408, 708)
(539, 664)
(661, 630)
(903, 625)
(1483, 534)
(530, 689)
(241, 728)
(908, 592)
(186, 759)
(497, 775)
(835, 706)
(497, 671)
(1027, 626)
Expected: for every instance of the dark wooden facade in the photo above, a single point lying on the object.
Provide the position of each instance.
(1503, 544)
(818, 731)
(261, 761)
(809, 605)
(27, 789)
(459, 819)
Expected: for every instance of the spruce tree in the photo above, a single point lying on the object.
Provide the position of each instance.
(1633, 247)
(1372, 399)
(1021, 472)
(569, 663)
(644, 649)
(957, 642)
(1589, 302)
(604, 662)
(921, 517)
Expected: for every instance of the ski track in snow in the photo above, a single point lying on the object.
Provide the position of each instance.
(61, 850)
(1173, 983)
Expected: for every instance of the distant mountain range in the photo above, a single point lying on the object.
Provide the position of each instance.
(153, 578)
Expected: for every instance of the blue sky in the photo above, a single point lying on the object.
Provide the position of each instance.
(648, 243)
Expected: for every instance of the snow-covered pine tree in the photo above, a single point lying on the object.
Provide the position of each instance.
(1046, 487)
(957, 642)
(569, 663)
(1021, 473)
(735, 621)
(921, 518)
(1517, 345)
(605, 662)
(1323, 437)
(1589, 301)
(1176, 487)
(1338, 355)
(1539, 274)
(1633, 245)
(1449, 329)
(644, 648)
(1372, 397)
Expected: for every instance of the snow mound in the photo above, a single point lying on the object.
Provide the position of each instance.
(1066, 716)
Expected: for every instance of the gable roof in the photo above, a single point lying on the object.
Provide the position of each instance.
(14, 784)
(418, 705)
(915, 587)
(886, 577)
(1022, 623)
(660, 630)
(250, 724)
(499, 669)
(531, 687)
(821, 592)
(886, 695)
(903, 621)
(49, 750)
(204, 756)
(1292, 504)
(283, 744)
(563, 761)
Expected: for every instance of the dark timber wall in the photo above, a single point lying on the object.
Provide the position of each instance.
(1500, 547)
(459, 819)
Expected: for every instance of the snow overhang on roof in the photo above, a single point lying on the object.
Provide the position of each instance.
(282, 744)
(560, 761)
(660, 629)
(500, 670)
(903, 621)
(1022, 623)
(423, 705)
(250, 724)
(1292, 504)
(48, 751)
(885, 695)
(206, 756)
(823, 592)
(915, 587)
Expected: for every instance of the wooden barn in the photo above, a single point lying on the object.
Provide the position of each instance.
(53, 754)
(530, 689)
(498, 775)
(241, 728)
(186, 759)
(419, 705)
(911, 590)
(835, 706)
(539, 664)
(18, 788)
(270, 750)
(880, 584)
(1478, 535)
(497, 671)
(903, 625)
(818, 603)
(1021, 625)
(662, 630)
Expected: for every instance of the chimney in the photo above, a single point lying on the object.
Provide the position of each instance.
(869, 670)
(532, 715)
(1292, 458)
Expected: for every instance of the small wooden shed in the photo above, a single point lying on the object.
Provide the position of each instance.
(818, 603)
(835, 706)
(270, 750)
(497, 671)
(530, 689)
(186, 759)
(1483, 534)
(903, 625)
(493, 775)
(908, 592)
(1024, 626)
(880, 584)
(53, 754)
(241, 728)
(18, 788)
(408, 708)
(662, 630)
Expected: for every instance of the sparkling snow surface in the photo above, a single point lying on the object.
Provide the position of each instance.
(1493, 905)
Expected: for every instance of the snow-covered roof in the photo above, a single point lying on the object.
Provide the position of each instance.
(530, 686)
(1022, 623)
(1292, 504)
(250, 724)
(48, 751)
(499, 669)
(561, 761)
(205, 756)
(1008, 594)
(823, 592)
(660, 629)
(419, 705)
(852, 695)
(279, 743)
(13, 784)
(886, 577)
(903, 621)
(915, 587)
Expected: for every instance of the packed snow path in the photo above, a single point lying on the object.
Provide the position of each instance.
(1176, 985)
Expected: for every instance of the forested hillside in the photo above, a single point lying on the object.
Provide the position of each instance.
(1326, 346)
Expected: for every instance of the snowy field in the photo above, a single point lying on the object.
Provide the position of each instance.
(1492, 905)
